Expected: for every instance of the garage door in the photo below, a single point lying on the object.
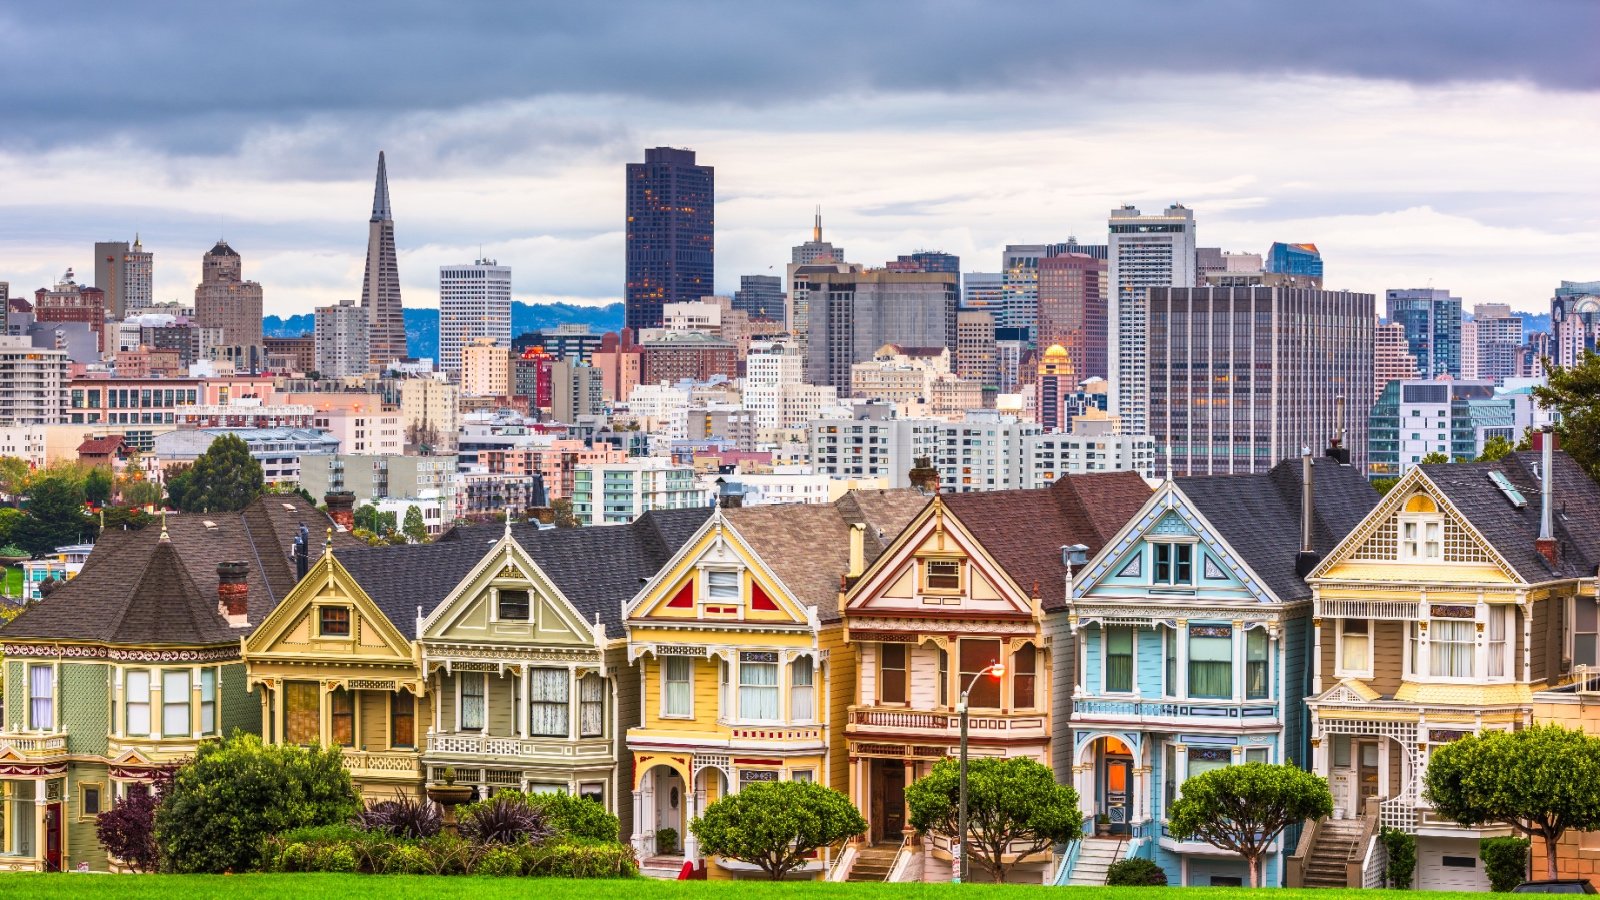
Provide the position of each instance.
(1455, 869)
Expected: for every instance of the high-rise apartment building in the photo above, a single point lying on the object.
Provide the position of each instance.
(1432, 320)
(429, 413)
(35, 382)
(1056, 379)
(1144, 252)
(671, 233)
(975, 347)
(342, 338)
(760, 296)
(380, 285)
(852, 314)
(1295, 259)
(1574, 322)
(1241, 378)
(575, 391)
(1469, 350)
(618, 358)
(1391, 356)
(474, 302)
(485, 368)
(224, 300)
(1499, 334)
(126, 274)
(1072, 310)
(985, 291)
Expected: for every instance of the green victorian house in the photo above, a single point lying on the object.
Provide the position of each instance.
(127, 668)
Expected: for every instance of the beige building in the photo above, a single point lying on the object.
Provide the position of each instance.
(975, 349)
(25, 442)
(952, 396)
(225, 300)
(363, 432)
(1391, 357)
(899, 375)
(485, 369)
(342, 340)
(428, 413)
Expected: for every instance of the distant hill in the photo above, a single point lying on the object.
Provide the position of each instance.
(422, 325)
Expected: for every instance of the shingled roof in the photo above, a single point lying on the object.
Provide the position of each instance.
(1024, 530)
(138, 589)
(1512, 531)
(1259, 515)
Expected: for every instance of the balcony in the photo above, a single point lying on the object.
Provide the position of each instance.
(513, 748)
(47, 747)
(383, 764)
(875, 721)
(1138, 711)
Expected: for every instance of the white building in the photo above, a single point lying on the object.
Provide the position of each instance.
(25, 442)
(1143, 252)
(618, 493)
(277, 449)
(35, 383)
(435, 512)
(474, 302)
(343, 338)
(363, 433)
(802, 486)
(662, 409)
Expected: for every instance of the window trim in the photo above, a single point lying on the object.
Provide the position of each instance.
(738, 586)
(1105, 657)
(1340, 670)
(665, 714)
(905, 671)
(927, 576)
(499, 617)
(349, 622)
(100, 789)
(127, 701)
(1173, 564)
(461, 710)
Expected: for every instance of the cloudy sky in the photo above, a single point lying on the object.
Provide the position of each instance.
(1449, 143)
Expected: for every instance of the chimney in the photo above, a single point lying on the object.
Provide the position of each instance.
(1307, 558)
(924, 477)
(858, 552)
(233, 593)
(1337, 451)
(1546, 544)
(341, 508)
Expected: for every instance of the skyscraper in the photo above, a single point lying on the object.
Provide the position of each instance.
(1019, 284)
(671, 234)
(1055, 380)
(983, 290)
(1499, 336)
(815, 255)
(1574, 322)
(341, 339)
(1294, 259)
(761, 296)
(1391, 356)
(474, 302)
(380, 286)
(224, 300)
(1143, 252)
(852, 314)
(926, 261)
(815, 250)
(975, 347)
(1072, 310)
(1432, 320)
(124, 273)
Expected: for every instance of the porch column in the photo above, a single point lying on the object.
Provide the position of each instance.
(1141, 792)
(325, 713)
(1180, 762)
(525, 712)
(691, 844)
(1182, 638)
(266, 715)
(1316, 647)
(1238, 641)
(1083, 776)
(40, 812)
(643, 831)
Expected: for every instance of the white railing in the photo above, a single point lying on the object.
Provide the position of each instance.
(46, 743)
(1586, 679)
(405, 762)
(1262, 711)
(894, 718)
(491, 745)
(942, 723)
(1391, 610)
(842, 863)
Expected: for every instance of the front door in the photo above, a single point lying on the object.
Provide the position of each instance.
(1118, 800)
(670, 802)
(1366, 773)
(52, 838)
(891, 800)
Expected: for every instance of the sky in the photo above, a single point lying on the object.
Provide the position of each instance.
(1442, 143)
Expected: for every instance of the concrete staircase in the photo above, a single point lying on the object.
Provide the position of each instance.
(873, 863)
(1095, 856)
(1335, 843)
(663, 867)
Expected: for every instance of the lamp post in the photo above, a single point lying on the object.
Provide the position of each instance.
(959, 864)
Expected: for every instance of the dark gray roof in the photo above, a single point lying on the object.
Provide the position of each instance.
(1259, 515)
(1512, 531)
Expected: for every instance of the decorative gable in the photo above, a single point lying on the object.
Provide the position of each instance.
(717, 577)
(937, 566)
(328, 616)
(506, 599)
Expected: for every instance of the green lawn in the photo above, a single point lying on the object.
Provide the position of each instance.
(13, 581)
(405, 887)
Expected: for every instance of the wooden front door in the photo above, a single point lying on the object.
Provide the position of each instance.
(1119, 793)
(891, 800)
(52, 838)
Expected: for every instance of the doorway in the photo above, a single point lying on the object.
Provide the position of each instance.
(1117, 795)
(1366, 773)
(889, 800)
(670, 801)
(52, 838)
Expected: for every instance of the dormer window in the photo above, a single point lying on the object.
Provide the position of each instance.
(333, 621)
(942, 575)
(722, 584)
(513, 606)
(1421, 530)
(1174, 564)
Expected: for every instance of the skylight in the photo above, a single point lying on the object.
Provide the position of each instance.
(1504, 484)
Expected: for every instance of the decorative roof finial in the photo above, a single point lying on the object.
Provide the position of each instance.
(327, 546)
(165, 538)
(508, 520)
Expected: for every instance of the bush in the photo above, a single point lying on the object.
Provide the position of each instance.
(404, 818)
(578, 817)
(1401, 849)
(409, 859)
(666, 840)
(500, 862)
(223, 806)
(334, 858)
(1505, 860)
(506, 818)
(584, 860)
(1135, 872)
(128, 829)
(320, 834)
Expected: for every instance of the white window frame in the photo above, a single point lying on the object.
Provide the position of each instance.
(1339, 668)
(461, 717)
(128, 702)
(712, 596)
(795, 686)
(666, 712)
(776, 687)
(1414, 549)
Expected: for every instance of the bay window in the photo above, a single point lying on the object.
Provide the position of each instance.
(208, 701)
(1355, 647)
(136, 702)
(402, 719)
(302, 712)
(675, 676)
(342, 717)
(802, 690)
(1204, 759)
(1024, 674)
(975, 656)
(591, 706)
(175, 703)
(472, 701)
(1450, 647)
(41, 697)
(1211, 662)
(1169, 642)
(891, 673)
(1497, 640)
(1256, 667)
(758, 686)
(549, 698)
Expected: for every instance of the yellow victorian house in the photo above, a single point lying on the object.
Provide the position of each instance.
(746, 676)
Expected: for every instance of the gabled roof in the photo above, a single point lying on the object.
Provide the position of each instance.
(102, 446)
(1512, 531)
(1024, 530)
(136, 589)
(1259, 515)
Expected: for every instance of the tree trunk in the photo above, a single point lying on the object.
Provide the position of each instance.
(1255, 875)
(1550, 855)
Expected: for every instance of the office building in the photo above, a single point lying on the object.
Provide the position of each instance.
(761, 297)
(290, 355)
(1415, 419)
(35, 383)
(1144, 252)
(671, 241)
(1019, 284)
(1056, 379)
(1499, 333)
(852, 314)
(1432, 320)
(983, 291)
(1011, 347)
(1391, 356)
(279, 450)
(342, 337)
(532, 378)
(815, 250)
(1295, 259)
(1574, 322)
(1072, 310)
(429, 413)
(485, 368)
(695, 355)
(571, 341)
(224, 300)
(474, 302)
(1244, 377)
(68, 301)
(618, 493)
(975, 349)
(380, 285)
(126, 274)
(575, 390)
(925, 261)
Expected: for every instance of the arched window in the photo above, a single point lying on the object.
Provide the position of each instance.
(1421, 530)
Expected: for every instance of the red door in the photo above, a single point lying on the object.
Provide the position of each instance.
(52, 838)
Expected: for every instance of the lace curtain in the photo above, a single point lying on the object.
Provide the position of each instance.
(758, 691)
(548, 698)
(591, 706)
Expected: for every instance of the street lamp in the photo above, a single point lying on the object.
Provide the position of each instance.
(958, 869)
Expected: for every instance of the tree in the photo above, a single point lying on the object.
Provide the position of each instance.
(14, 474)
(775, 825)
(237, 792)
(9, 519)
(368, 517)
(1541, 781)
(1574, 393)
(414, 529)
(1495, 449)
(1384, 485)
(1244, 808)
(141, 493)
(97, 485)
(55, 515)
(1433, 459)
(128, 829)
(562, 507)
(1010, 802)
(225, 478)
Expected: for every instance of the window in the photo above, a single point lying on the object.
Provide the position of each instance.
(676, 672)
(944, 677)
(806, 775)
(722, 585)
(175, 703)
(753, 776)
(1024, 673)
(302, 712)
(1257, 754)
(549, 698)
(802, 690)
(1119, 659)
(758, 686)
(594, 791)
(1174, 563)
(208, 701)
(1450, 647)
(1204, 759)
(975, 656)
(402, 719)
(1497, 640)
(891, 673)
(334, 621)
(1585, 632)
(472, 701)
(1341, 751)
(136, 702)
(342, 715)
(1421, 528)
(1255, 664)
(1355, 647)
(89, 800)
(943, 575)
(591, 706)
(513, 606)
(1211, 662)
(41, 697)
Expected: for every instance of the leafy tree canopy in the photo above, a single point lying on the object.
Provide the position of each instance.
(415, 529)
(1013, 806)
(55, 515)
(776, 824)
(1496, 448)
(225, 478)
(97, 485)
(1574, 393)
(14, 474)
(1244, 808)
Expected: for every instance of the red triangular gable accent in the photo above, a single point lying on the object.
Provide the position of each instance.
(684, 598)
(759, 598)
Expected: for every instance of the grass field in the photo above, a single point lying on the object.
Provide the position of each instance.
(406, 887)
(13, 580)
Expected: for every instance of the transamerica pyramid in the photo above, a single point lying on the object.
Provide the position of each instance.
(380, 287)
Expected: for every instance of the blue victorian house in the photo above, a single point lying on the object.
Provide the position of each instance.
(1193, 631)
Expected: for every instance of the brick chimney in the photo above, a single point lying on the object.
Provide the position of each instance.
(923, 476)
(233, 593)
(341, 508)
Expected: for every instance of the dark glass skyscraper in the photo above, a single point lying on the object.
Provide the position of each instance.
(1294, 259)
(671, 233)
(1432, 319)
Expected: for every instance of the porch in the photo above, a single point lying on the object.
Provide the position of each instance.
(32, 828)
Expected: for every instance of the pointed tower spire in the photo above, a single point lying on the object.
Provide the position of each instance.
(816, 228)
(380, 193)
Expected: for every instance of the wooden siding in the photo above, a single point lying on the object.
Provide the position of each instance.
(838, 676)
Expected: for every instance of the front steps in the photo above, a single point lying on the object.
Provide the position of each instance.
(1095, 856)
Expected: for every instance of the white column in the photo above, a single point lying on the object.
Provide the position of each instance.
(572, 702)
(524, 713)
(1182, 638)
(1316, 655)
(1238, 642)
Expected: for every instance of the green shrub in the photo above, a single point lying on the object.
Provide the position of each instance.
(666, 840)
(506, 818)
(1135, 872)
(1401, 849)
(1505, 860)
(293, 857)
(334, 858)
(578, 817)
(583, 860)
(409, 859)
(500, 862)
(321, 834)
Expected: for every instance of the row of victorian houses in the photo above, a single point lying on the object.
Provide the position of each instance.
(1147, 635)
